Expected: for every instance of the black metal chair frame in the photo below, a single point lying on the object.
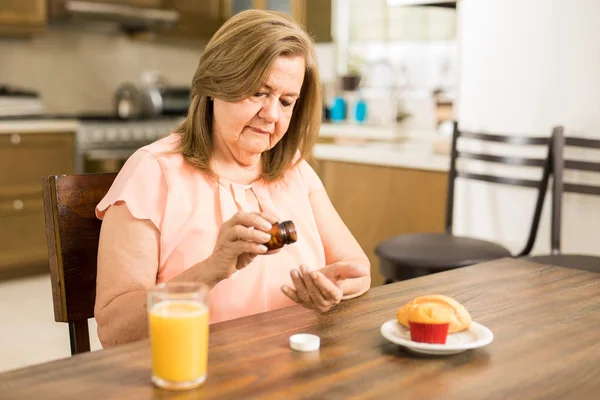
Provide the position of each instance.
(559, 185)
(541, 185)
(385, 249)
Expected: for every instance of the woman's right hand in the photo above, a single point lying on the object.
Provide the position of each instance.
(239, 241)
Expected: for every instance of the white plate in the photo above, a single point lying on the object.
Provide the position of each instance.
(476, 336)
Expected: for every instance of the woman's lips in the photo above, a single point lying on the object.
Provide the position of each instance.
(258, 130)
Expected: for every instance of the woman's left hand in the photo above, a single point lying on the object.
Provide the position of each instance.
(320, 290)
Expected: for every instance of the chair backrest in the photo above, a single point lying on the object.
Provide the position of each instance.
(559, 186)
(72, 232)
(545, 164)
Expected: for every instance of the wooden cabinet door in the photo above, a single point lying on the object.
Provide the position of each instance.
(296, 8)
(22, 17)
(315, 15)
(134, 3)
(198, 20)
(292, 7)
(24, 159)
(235, 6)
(22, 233)
(317, 19)
(285, 6)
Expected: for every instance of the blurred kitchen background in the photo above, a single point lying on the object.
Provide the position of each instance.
(83, 84)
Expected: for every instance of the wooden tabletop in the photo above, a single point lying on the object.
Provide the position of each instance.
(546, 322)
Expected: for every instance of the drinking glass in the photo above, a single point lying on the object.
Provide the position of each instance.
(178, 328)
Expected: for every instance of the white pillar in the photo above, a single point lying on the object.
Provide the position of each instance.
(526, 66)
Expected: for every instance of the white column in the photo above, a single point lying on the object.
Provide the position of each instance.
(526, 66)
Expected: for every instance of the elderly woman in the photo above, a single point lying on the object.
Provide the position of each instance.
(197, 205)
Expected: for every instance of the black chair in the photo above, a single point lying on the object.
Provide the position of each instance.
(417, 254)
(559, 164)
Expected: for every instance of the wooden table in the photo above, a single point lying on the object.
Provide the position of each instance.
(546, 322)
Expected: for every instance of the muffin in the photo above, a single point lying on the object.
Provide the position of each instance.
(429, 323)
(431, 318)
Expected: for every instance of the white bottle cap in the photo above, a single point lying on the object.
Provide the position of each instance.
(305, 342)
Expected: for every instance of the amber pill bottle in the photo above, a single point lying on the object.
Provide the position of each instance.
(282, 233)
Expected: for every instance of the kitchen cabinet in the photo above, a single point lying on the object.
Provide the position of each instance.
(314, 15)
(377, 202)
(292, 7)
(198, 20)
(317, 19)
(22, 17)
(131, 15)
(24, 158)
(134, 3)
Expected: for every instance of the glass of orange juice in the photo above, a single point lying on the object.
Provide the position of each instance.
(178, 328)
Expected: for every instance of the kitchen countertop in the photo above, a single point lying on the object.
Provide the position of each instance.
(38, 125)
(391, 146)
(59, 122)
(411, 153)
(361, 131)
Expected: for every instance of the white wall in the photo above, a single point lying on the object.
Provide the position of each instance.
(525, 66)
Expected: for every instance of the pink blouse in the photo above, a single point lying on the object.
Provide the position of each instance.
(188, 208)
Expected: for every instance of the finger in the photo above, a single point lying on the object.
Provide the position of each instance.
(291, 293)
(329, 289)
(240, 232)
(240, 247)
(315, 294)
(268, 216)
(300, 287)
(253, 220)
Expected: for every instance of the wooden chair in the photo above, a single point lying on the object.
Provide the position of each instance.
(417, 254)
(72, 231)
(559, 187)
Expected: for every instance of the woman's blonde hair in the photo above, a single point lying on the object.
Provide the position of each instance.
(234, 65)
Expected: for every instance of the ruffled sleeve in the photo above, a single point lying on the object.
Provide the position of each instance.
(309, 176)
(142, 186)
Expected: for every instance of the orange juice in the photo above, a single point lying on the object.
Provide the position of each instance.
(179, 341)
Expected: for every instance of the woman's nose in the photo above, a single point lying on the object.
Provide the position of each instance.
(270, 110)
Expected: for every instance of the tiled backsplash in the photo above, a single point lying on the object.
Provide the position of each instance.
(77, 71)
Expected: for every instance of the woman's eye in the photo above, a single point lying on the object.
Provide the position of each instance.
(285, 103)
(259, 94)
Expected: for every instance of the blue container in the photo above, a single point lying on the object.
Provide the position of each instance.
(338, 110)
(360, 111)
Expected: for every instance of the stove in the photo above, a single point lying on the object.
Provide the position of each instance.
(103, 142)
